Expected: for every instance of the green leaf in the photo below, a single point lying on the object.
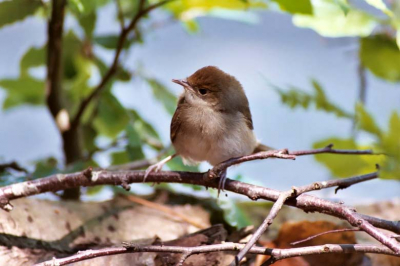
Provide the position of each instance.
(25, 90)
(16, 10)
(390, 168)
(91, 191)
(45, 168)
(111, 41)
(76, 5)
(162, 94)
(295, 97)
(34, 57)
(295, 7)
(145, 130)
(120, 157)
(133, 150)
(381, 56)
(72, 47)
(177, 165)
(128, 8)
(188, 10)
(134, 147)
(398, 39)
(329, 20)
(342, 165)
(112, 117)
(85, 6)
(88, 22)
(379, 4)
(89, 135)
(191, 25)
(365, 121)
(77, 86)
(344, 6)
(233, 214)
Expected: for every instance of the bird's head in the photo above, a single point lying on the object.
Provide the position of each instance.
(210, 86)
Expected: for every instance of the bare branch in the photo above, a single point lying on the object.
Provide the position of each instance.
(282, 154)
(328, 149)
(276, 253)
(344, 183)
(86, 178)
(265, 224)
(293, 197)
(12, 165)
(339, 183)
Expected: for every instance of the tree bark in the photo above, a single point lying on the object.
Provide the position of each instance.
(70, 136)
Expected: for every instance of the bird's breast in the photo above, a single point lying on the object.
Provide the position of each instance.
(213, 136)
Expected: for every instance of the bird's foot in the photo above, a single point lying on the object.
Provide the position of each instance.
(221, 183)
(153, 168)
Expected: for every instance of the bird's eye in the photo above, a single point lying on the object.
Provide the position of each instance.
(202, 91)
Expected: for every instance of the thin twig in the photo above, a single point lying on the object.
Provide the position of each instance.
(12, 165)
(329, 149)
(339, 183)
(265, 224)
(277, 253)
(325, 233)
(283, 154)
(218, 169)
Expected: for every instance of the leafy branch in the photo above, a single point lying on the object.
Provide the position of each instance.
(142, 12)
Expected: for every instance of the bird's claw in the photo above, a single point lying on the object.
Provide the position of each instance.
(152, 168)
(221, 183)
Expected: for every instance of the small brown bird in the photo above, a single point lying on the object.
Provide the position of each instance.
(212, 121)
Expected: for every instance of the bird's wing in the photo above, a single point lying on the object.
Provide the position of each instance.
(177, 119)
(245, 110)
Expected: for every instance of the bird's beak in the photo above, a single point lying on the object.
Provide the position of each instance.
(184, 84)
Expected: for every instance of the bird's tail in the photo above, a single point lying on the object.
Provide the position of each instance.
(262, 147)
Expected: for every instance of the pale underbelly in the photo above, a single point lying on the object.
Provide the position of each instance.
(196, 148)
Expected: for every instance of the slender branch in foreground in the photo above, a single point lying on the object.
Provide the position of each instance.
(142, 12)
(325, 233)
(265, 224)
(296, 191)
(87, 178)
(276, 253)
(351, 216)
(293, 197)
(306, 202)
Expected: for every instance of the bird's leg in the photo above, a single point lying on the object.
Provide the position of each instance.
(221, 183)
(157, 166)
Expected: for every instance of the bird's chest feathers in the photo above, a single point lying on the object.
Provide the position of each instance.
(214, 136)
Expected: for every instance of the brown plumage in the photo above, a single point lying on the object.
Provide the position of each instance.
(212, 121)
